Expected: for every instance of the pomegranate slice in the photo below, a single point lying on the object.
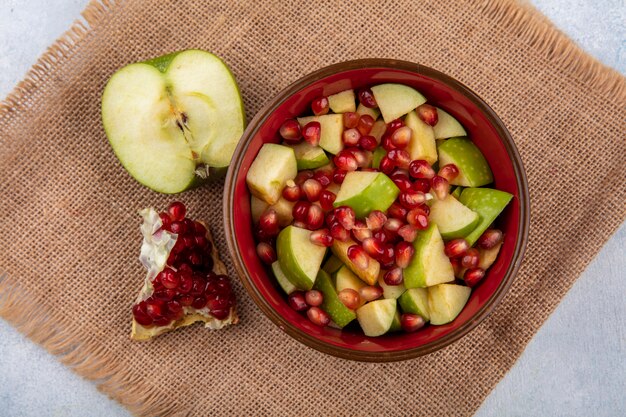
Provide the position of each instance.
(186, 280)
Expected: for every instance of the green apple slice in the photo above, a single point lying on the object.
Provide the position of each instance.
(169, 119)
(342, 102)
(378, 130)
(331, 131)
(415, 301)
(365, 191)
(376, 317)
(396, 100)
(369, 275)
(309, 156)
(456, 192)
(377, 156)
(453, 219)
(430, 265)
(446, 301)
(422, 144)
(299, 258)
(282, 279)
(372, 112)
(337, 311)
(332, 264)
(396, 324)
(390, 291)
(447, 126)
(345, 278)
(271, 169)
(474, 170)
(488, 203)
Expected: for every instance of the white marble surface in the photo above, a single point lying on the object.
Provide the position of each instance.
(575, 365)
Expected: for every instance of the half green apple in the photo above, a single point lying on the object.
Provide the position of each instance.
(173, 120)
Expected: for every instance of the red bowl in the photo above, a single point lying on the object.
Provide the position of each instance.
(484, 128)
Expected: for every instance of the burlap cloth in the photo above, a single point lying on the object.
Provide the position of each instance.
(70, 228)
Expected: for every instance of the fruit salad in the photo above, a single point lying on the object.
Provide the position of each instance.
(375, 209)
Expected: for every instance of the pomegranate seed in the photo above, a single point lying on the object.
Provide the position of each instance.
(290, 131)
(351, 137)
(351, 120)
(217, 302)
(186, 281)
(318, 316)
(201, 241)
(375, 220)
(449, 172)
(400, 158)
(320, 106)
(387, 261)
(368, 143)
(363, 158)
(411, 322)
(311, 132)
(428, 114)
(303, 176)
(324, 177)
(381, 236)
(473, 276)
(330, 218)
(312, 189)
(366, 97)
(393, 225)
(350, 298)
(393, 276)
(360, 231)
(421, 184)
(314, 217)
(470, 258)
(162, 321)
(165, 294)
(266, 252)
(456, 265)
(297, 301)
(169, 278)
(401, 137)
(314, 298)
(421, 169)
(338, 232)
(327, 198)
(418, 218)
(178, 228)
(300, 210)
(411, 199)
(402, 181)
(404, 254)
(456, 248)
(408, 233)
(394, 125)
(370, 292)
(440, 186)
(176, 211)
(366, 122)
(154, 308)
(397, 211)
(339, 175)
(292, 192)
(490, 238)
(166, 221)
(185, 300)
(345, 216)
(140, 315)
(386, 143)
(373, 247)
(174, 307)
(322, 237)
(386, 165)
(345, 160)
(268, 222)
(359, 258)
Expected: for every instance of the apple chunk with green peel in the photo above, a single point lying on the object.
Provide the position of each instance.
(170, 119)
(396, 100)
(369, 275)
(473, 168)
(422, 144)
(488, 203)
(299, 258)
(338, 312)
(447, 126)
(430, 265)
(377, 316)
(453, 219)
(365, 191)
(415, 301)
(273, 166)
(282, 279)
(309, 156)
(331, 130)
(390, 291)
(345, 278)
(446, 301)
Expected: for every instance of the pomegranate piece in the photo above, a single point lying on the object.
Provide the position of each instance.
(169, 279)
(350, 298)
(393, 276)
(456, 248)
(440, 186)
(359, 258)
(140, 315)
(311, 132)
(428, 114)
(351, 137)
(368, 143)
(266, 252)
(473, 276)
(408, 233)
(360, 231)
(351, 119)
(411, 322)
(312, 189)
(268, 222)
(386, 165)
(490, 238)
(366, 97)
(322, 237)
(318, 316)
(314, 217)
(373, 247)
(314, 298)
(421, 169)
(346, 161)
(470, 258)
(366, 122)
(337, 231)
(327, 198)
(401, 137)
(370, 293)
(400, 158)
(177, 211)
(297, 301)
(320, 106)
(449, 172)
(290, 131)
(404, 254)
(345, 216)
(292, 192)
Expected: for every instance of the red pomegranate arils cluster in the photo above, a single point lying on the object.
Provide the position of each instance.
(188, 279)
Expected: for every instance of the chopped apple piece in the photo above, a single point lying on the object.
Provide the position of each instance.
(271, 169)
(342, 102)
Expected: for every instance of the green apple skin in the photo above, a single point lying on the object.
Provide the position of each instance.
(396, 100)
(337, 311)
(422, 144)
(447, 126)
(342, 102)
(300, 259)
(453, 219)
(331, 133)
(456, 192)
(366, 191)
(191, 139)
(488, 203)
(415, 301)
(309, 156)
(474, 170)
(332, 264)
(376, 317)
(390, 291)
(282, 279)
(369, 275)
(446, 301)
(273, 166)
(430, 265)
(377, 156)
(396, 324)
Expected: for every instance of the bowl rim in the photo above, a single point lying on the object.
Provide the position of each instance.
(346, 353)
